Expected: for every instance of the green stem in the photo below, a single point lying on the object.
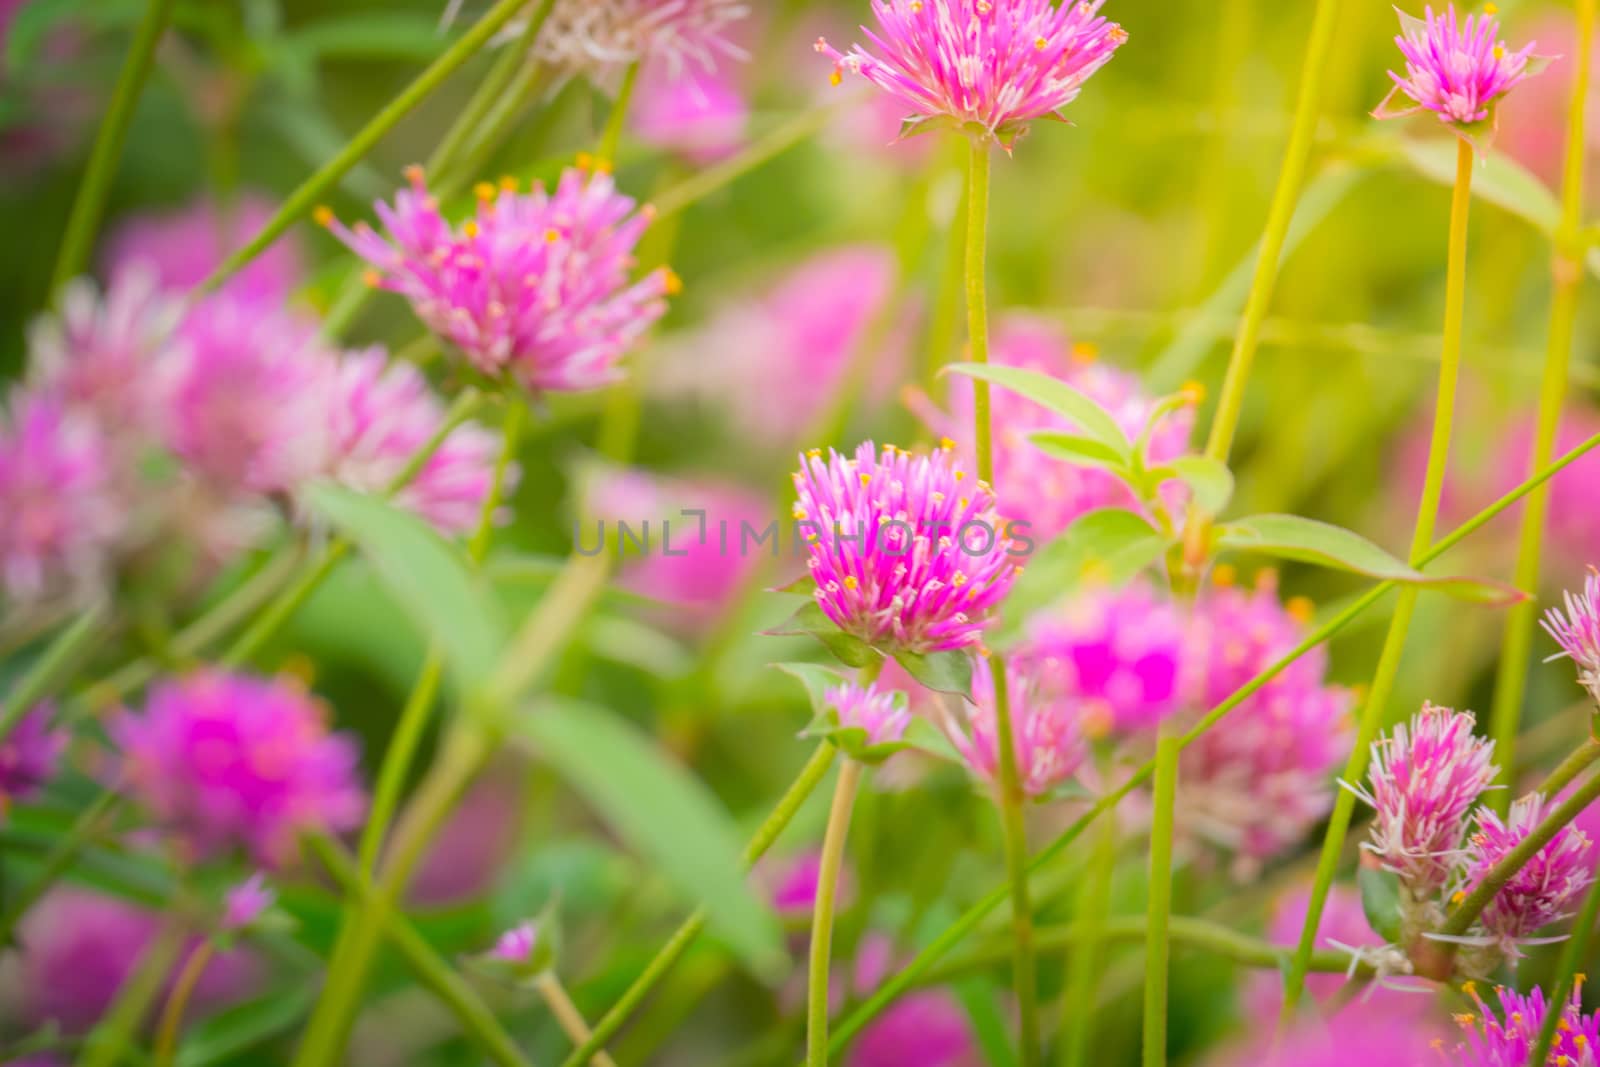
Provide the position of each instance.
(59, 860)
(1388, 667)
(1577, 937)
(46, 673)
(1576, 762)
(529, 82)
(90, 204)
(314, 188)
(788, 806)
(567, 1015)
(1567, 271)
(166, 1048)
(1159, 908)
(487, 95)
(606, 154)
(969, 920)
(844, 797)
(978, 309)
(397, 760)
(114, 1034)
(1084, 966)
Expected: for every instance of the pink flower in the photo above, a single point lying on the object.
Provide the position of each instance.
(1543, 890)
(1534, 118)
(1048, 492)
(1578, 633)
(1424, 781)
(1366, 1035)
(58, 496)
(183, 247)
(1344, 925)
(1508, 1040)
(516, 945)
(925, 1028)
(534, 286)
(382, 412)
(246, 902)
(700, 114)
(1456, 71)
(881, 714)
(227, 759)
(603, 36)
(1119, 654)
(776, 361)
(987, 67)
(28, 756)
(907, 553)
(475, 843)
(792, 883)
(1045, 731)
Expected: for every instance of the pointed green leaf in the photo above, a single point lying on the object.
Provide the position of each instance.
(943, 672)
(1083, 451)
(810, 619)
(1380, 899)
(1208, 479)
(1057, 396)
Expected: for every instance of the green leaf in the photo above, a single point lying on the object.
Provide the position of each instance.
(1380, 899)
(943, 672)
(1083, 451)
(427, 576)
(1310, 541)
(1109, 545)
(1208, 479)
(810, 619)
(229, 1034)
(387, 35)
(663, 812)
(1059, 397)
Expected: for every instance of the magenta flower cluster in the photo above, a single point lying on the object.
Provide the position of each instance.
(534, 287)
(1457, 69)
(987, 67)
(1507, 1039)
(907, 552)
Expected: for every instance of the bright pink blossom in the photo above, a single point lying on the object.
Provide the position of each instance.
(1456, 70)
(1046, 733)
(1577, 631)
(697, 113)
(1545, 888)
(1507, 1039)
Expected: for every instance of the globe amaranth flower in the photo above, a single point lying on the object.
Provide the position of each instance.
(699, 114)
(1577, 631)
(1423, 781)
(882, 714)
(246, 902)
(1261, 779)
(63, 515)
(1117, 652)
(1507, 1039)
(1546, 886)
(181, 249)
(1046, 732)
(987, 67)
(381, 413)
(1458, 70)
(28, 756)
(534, 286)
(225, 760)
(1058, 492)
(601, 37)
(907, 551)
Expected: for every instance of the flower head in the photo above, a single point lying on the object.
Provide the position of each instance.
(988, 67)
(28, 756)
(1045, 730)
(246, 902)
(1424, 780)
(926, 1028)
(1456, 70)
(1545, 887)
(516, 944)
(791, 883)
(62, 512)
(227, 759)
(1507, 1040)
(603, 36)
(534, 285)
(182, 248)
(907, 552)
(381, 412)
(700, 114)
(881, 714)
(1578, 633)
(521, 953)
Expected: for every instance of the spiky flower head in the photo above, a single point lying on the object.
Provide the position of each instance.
(226, 760)
(1507, 1039)
(28, 756)
(246, 902)
(1577, 631)
(601, 37)
(59, 499)
(1456, 69)
(907, 551)
(1424, 779)
(1046, 733)
(534, 286)
(882, 714)
(1546, 886)
(381, 412)
(522, 953)
(984, 67)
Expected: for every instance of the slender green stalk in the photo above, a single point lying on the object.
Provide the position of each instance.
(397, 760)
(477, 1020)
(788, 806)
(844, 798)
(530, 81)
(166, 1048)
(1159, 908)
(59, 861)
(944, 322)
(90, 204)
(1291, 176)
(606, 154)
(313, 189)
(969, 920)
(46, 673)
(115, 1033)
(978, 307)
(1577, 938)
(1567, 270)
(488, 93)
(1085, 964)
(1388, 667)
(1576, 762)
(568, 1016)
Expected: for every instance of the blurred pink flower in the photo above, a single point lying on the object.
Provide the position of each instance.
(1534, 118)
(58, 496)
(77, 947)
(181, 248)
(28, 756)
(792, 883)
(777, 361)
(227, 760)
(1344, 923)
(699, 114)
(924, 1028)
(880, 713)
(1457, 71)
(475, 843)
(1371, 1035)
(534, 285)
(603, 36)
(1047, 492)
(1046, 733)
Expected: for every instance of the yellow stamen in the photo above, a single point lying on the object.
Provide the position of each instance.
(1224, 574)
(1039, 43)
(483, 191)
(1300, 609)
(508, 183)
(1085, 352)
(1194, 393)
(372, 278)
(470, 228)
(836, 77)
(584, 161)
(323, 215)
(551, 237)
(1491, 9)
(670, 279)
(850, 581)
(413, 173)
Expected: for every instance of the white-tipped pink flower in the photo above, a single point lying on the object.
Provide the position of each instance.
(1423, 781)
(600, 37)
(1457, 70)
(1577, 631)
(1046, 734)
(985, 67)
(534, 286)
(882, 715)
(1547, 885)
